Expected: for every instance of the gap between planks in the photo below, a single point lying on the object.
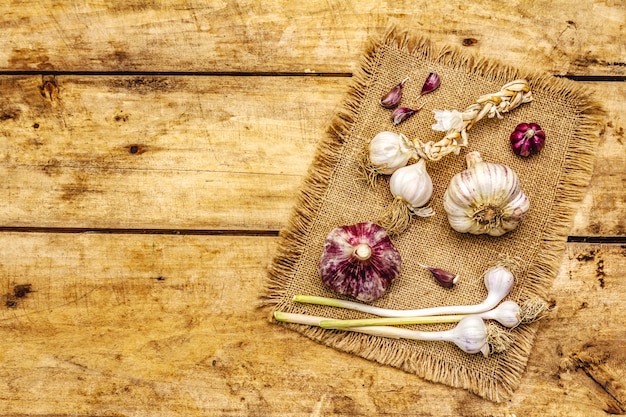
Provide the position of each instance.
(228, 232)
(581, 78)
(142, 231)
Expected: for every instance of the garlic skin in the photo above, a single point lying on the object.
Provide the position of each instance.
(359, 260)
(486, 198)
(448, 120)
(389, 151)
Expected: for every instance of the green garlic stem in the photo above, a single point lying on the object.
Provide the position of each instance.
(470, 334)
(383, 331)
(389, 321)
(488, 304)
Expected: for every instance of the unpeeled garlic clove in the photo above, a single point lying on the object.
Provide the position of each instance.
(431, 84)
(393, 97)
(444, 278)
(400, 114)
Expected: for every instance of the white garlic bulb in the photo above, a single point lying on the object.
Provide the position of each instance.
(389, 151)
(470, 335)
(486, 198)
(411, 187)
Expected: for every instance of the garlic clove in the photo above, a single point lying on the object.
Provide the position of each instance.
(444, 278)
(400, 114)
(431, 84)
(393, 97)
(360, 261)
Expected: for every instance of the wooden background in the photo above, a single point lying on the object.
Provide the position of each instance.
(149, 155)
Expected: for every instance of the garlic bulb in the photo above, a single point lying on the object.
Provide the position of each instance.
(359, 260)
(470, 335)
(412, 188)
(389, 151)
(486, 198)
(507, 314)
(527, 139)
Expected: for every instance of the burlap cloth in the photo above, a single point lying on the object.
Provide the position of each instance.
(334, 194)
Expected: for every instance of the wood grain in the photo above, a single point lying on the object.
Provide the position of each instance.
(189, 116)
(115, 325)
(201, 152)
(302, 37)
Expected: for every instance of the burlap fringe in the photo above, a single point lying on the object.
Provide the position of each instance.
(578, 166)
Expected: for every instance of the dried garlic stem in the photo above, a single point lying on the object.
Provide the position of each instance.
(509, 97)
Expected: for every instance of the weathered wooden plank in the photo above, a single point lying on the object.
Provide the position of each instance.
(286, 36)
(201, 152)
(97, 324)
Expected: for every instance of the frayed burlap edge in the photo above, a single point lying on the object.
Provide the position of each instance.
(578, 166)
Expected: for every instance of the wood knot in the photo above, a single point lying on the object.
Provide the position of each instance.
(49, 88)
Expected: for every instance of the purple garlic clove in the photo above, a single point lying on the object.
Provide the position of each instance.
(359, 260)
(400, 114)
(431, 84)
(393, 97)
(444, 278)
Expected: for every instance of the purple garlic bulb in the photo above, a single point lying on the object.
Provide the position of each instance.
(359, 260)
(527, 139)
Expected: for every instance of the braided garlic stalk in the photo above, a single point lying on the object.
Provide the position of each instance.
(457, 124)
(389, 153)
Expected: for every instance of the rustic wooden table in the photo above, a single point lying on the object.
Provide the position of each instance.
(149, 155)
